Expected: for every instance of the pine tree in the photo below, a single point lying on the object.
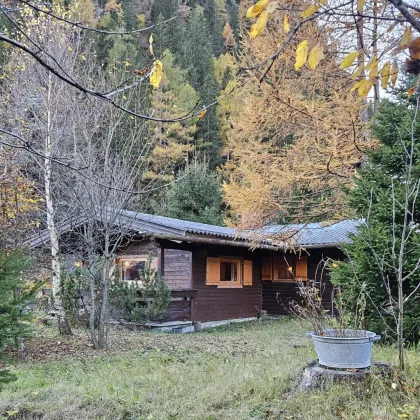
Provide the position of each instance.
(216, 16)
(170, 34)
(172, 142)
(233, 17)
(371, 263)
(197, 60)
(196, 196)
(197, 50)
(15, 296)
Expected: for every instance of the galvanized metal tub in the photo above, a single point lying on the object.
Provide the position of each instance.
(348, 349)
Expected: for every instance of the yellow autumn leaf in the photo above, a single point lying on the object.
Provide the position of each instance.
(315, 56)
(356, 85)
(309, 11)
(151, 44)
(394, 74)
(360, 6)
(156, 74)
(411, 91)
(286, 23)
(349, 59)
(358, 71)
(372, 62)
(385, 73)
(301, 54)
(365, 87)
(406, 36)
(258, 27)
(256, 9)
(374, 69)
(201, 114)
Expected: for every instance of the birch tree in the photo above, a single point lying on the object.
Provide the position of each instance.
(37, 109)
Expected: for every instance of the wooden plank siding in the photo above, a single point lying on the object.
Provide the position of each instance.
(277, 296)
(177, 269)
(221, 303)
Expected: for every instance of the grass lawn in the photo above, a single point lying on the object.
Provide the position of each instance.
(242, 371)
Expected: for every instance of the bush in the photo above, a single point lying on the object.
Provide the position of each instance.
(141, 301)
(15, 297)
(74, 285)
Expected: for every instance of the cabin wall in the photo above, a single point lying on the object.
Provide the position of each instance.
(214, 303)
(277, 296)
(177, 268)
(141, 248)
(176, 271)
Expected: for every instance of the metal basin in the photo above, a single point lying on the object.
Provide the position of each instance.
(348, 349)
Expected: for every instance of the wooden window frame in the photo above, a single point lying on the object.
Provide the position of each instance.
(122, 259)
(245, 272)
(232, 283)
(275, 262)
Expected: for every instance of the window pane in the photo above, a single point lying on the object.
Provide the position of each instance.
(132, 270)
(228, 271)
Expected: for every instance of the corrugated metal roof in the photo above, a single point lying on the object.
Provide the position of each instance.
(313, 234)
(184, 226)
(310, 235)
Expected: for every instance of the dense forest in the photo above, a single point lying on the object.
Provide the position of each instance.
(202, 167)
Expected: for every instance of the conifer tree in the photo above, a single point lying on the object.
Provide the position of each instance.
(378, 196)
(15, 296)
(197, 196)
(172, 143)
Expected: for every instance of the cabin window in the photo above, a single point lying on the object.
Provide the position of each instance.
(228, 272)
(287, 268)
(131, 269)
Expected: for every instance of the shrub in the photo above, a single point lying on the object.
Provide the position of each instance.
(141, 301)
(15, 297)
(74, 285)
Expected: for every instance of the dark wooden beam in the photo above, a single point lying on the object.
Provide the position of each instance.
(162, 260)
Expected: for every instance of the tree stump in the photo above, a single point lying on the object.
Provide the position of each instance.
(316, 376)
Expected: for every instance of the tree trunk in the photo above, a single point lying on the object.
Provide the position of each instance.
(103, 317)
(92, 309)
(400, 326)
(63, 324)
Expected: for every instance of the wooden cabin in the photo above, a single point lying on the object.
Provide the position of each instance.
(217, 273)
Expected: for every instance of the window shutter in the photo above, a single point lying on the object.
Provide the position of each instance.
(267, 269)
(302, 268)
(247, 273)
(213, 272)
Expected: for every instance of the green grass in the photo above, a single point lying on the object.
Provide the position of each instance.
(241, 371)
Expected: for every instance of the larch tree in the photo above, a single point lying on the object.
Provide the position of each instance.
(298, 136)
(19, 200)
(371, 35)
(174, 142)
